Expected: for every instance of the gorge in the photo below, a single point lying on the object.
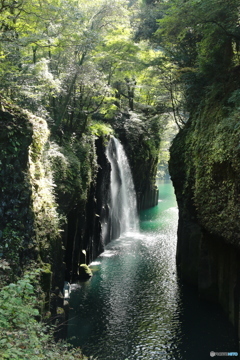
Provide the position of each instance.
(93, 94)
(204, 167)
(136, 307)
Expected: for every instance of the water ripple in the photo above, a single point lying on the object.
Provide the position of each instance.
(135, 307)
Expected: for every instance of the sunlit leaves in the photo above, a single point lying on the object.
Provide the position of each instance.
(193, 28)
(73, 59)
(21, 335)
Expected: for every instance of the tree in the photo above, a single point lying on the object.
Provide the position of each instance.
(201, 38)
(71, 61)
(195, 33)
(55, 40)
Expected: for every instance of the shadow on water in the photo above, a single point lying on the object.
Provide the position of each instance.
(204, 327)
(136, 308)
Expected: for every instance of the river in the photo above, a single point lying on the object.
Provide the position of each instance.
(136, 308)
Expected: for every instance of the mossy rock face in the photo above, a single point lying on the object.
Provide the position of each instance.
(141, 139)
(46, 283)
(29, 217)
(85, 272)
(16, 218)
(205, 170)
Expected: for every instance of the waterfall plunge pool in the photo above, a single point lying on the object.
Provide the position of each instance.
(136, 308)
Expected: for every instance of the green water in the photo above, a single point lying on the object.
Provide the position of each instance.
(135, 307)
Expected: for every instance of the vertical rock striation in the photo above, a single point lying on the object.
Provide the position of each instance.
(55, 197)
(141, 141)
(86, 214)
(205, 170)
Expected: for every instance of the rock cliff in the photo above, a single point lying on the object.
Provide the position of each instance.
(205, 170)
(51, 202)
(55, 195)
(141, 140)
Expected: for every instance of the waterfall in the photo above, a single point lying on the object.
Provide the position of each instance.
(123, 204)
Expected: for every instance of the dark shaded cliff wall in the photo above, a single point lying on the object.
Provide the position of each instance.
(55, 196)
(83, 230)
(53, 199)
(29, 223)
(141, 141)
(16, 216)
(205, 170)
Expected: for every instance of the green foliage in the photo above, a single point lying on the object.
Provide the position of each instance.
(12, 242)
(70, 62)
(201, 38)
(150, 11)
(81, 61)
(234, 99)
(169, 133)
(84, 272)
(15, 218)
(22, 337)
(100, 129)
(46, 65)
(47, 221)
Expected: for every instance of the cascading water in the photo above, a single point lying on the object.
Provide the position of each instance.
(123, 204)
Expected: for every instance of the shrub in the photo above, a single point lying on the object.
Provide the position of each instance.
(22, 336)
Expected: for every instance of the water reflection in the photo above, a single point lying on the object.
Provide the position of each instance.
(135, 307)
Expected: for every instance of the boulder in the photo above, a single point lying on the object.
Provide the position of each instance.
(84, 272)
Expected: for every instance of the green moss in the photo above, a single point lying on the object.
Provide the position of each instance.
(74, 167)
(84, 272)
(40, 182)
(60, 311)
(15, 213)
(46, 284)
(141, 137)
(47, 222)
(206, 154)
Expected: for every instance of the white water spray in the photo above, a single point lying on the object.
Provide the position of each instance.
(123, 205)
